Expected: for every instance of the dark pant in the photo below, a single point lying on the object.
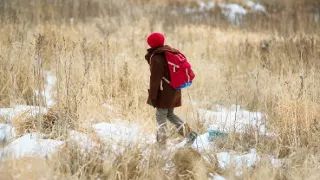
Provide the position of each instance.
(162, 115)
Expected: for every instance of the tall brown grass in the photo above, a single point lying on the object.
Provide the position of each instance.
(96, 50)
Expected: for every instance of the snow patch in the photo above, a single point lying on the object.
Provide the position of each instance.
(189, 10)
(5, 133)
(51, 81)
(257, 7)
(47, 93)
(108, 106)
(30, 144)
(83, 140)
(206, 6)
(202, 142)
(122, 133)
(9, 113)
(216, 177)
(316, 14)
(234, 12)
(226, 159)
(233, 119)
(277, 163)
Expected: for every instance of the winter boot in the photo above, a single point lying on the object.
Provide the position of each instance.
(161, 139)
(192, 137)
(184, 130)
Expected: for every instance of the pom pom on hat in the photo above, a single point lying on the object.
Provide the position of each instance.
(155, 39)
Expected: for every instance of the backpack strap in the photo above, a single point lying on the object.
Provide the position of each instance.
(166, 80)
(174, 66)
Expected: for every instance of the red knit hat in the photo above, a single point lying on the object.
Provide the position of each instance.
(155, 39)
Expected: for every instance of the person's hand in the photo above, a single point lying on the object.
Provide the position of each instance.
(154, 102)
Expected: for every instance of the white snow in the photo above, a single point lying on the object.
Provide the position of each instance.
(108, 106)
(123, 132)
(83, 140)
(189, 10)
(234, 12)
(206, 6)
(277, 163)
(30, 145)
(316, 17)
(9, 113)
(217, 177)
(257, 7)
(226, 159)
(5, 133)
(202, 142)
(233, 119)
(51, 81)
(47, 93)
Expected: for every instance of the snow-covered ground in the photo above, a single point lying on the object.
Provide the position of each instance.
(233, 119)
(121, 133)
(30, 144)
(226, 159)
(9, 113)
(216, 177)
(257, 7)
(51, 81)
(206, 6)
(6, 130)
(6, 133)
(83, 140)
(232, 11)
(49, 85)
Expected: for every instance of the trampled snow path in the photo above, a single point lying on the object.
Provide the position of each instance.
(30, 144)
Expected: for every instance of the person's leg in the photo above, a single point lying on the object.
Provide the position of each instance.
(182, 127)
(161, 115)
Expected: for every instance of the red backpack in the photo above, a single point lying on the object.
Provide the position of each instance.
(181, 74)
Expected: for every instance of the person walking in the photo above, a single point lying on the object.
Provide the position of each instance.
(162, 95)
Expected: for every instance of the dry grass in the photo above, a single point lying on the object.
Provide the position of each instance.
(190, 164)
(26, 168)
(96, 51)
(47, 123)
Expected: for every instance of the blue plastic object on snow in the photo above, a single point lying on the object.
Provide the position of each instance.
(215, 133)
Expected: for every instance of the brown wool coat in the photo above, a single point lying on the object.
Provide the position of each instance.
(168, 97)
